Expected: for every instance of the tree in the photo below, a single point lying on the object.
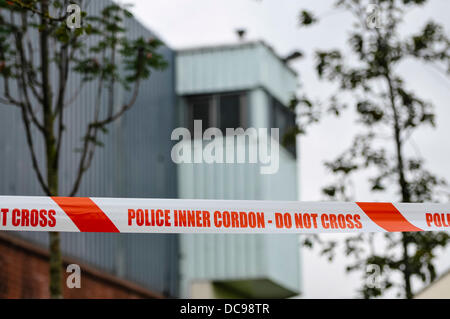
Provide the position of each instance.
(389, 113)
(28, 68)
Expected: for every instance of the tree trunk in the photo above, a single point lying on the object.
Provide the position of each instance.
(55, 267)
(406, 196)
(406, 271)
(55, 251)
(52, 156)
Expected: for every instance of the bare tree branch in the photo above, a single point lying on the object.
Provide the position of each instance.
(63, 66)
(124, 108)
(26, 122)
(91, 138)
(30, 7)
(22, 84)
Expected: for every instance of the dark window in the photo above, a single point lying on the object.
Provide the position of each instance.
(216, 110)
(230, 109)
(284, 120)
(200, 109)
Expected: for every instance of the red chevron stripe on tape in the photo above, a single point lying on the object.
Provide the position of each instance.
(387, 217)
(86, 215)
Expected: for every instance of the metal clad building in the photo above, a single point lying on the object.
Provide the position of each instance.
(255, 86)
(245, 85)
(135, 162)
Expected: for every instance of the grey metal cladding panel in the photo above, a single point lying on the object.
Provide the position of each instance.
(135, 162)
(149, 129)
(163, 270)
(16, 175)
(137, 152)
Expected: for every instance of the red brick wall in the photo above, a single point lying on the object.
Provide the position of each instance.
(24, 274)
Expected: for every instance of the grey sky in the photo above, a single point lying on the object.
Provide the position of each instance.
(186, 23)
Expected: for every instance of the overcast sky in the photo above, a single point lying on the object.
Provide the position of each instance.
(187, 23)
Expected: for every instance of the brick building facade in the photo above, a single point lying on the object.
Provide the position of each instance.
(24, 273)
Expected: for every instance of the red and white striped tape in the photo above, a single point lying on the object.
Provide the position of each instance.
(120, 215)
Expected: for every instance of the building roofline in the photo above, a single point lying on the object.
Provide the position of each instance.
(243, 44)
(156, 34)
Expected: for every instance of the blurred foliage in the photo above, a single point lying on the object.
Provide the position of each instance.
(306, 114)
(307, 18)
(36, 43)
(389, 113)
(39, 53)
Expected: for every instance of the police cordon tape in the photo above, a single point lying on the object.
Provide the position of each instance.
(126, 215)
